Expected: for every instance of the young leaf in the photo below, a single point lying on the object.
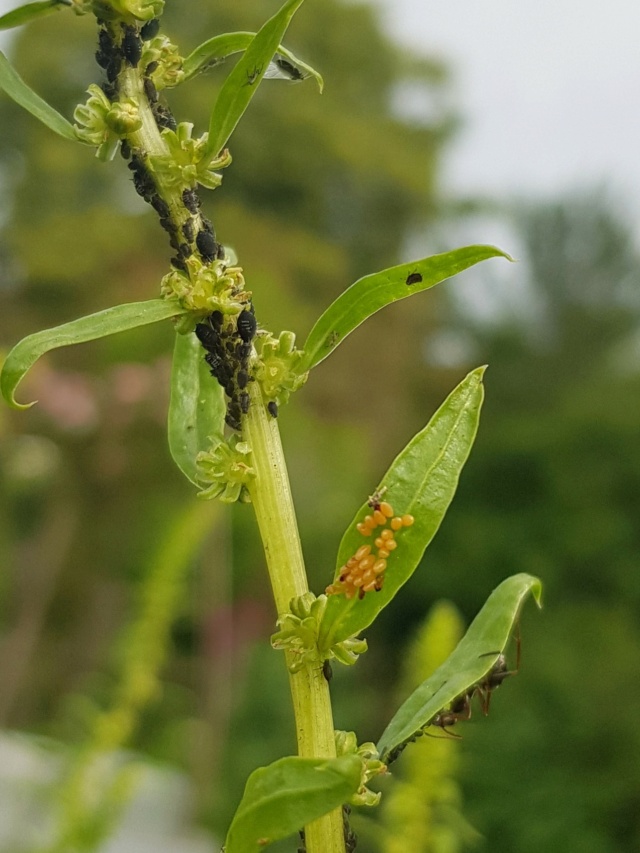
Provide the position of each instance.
(421, 482)
(280, 799)
(29, 12)
(215, 50)
(119, 319)
(468, 666)
(243, 81)
(18, 90)
(373, 292)
(197, 406)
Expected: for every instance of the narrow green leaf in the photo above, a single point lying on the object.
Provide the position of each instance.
(373, 292)
(241, 84)
(119, 319)
(29, 12)
(215, 50)
(280, 799)
(22, 94)
(421, 482)
(197, 406)
(468, 665)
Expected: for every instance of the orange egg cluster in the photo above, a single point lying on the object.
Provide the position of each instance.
(364, 571)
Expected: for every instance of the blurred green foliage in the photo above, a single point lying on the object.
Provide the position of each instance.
(321, 191)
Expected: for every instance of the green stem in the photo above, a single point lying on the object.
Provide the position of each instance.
(273, 505)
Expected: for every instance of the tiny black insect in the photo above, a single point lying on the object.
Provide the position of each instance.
(189, 230)
(244, 402)
(247, 326)
(214, 361)
(288, 69)
(169, 226)
(151, 67)
(125, 149)
(207, 336)
(161, 207)
(230, 388)
(191, 201)
(113, 68)
(150, 90)
(414, 278)
(327, 671)
(164, 117)
(150, 29)
(110, 90)
(185, 250)
(232, 421)
(207, 246)
(216, 319)
(178, 263)
(242, 379)
(131, 46)
(272, 408)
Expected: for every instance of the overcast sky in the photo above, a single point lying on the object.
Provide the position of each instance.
(549, 90)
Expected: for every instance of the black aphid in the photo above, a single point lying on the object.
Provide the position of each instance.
(168, 225)
(232, 421)
(150, 29)
(163, 116)
(414, 278)
(247, 326)
(191, 201)
(207, 246)
(272, 408)
(244, 402)
(215, 363)
(216, 319)
(150, 90)
(161, 207)
(125, 149)
(189, 230)
(230, 388)
(151, 67)
(178, 263)
(113, 68)
(207, 336)
(242, 379)
(185, 250)
(131, 46)
(327, 671)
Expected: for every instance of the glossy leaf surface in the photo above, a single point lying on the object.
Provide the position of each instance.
(468, 665)
(29, 12)
(242, 83)
(373, 292)
(17, 89)
(215, 50)
(280, 799)
(197, 406)
(119, 319)
(421, 482)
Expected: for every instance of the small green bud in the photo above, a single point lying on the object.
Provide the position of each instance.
(226, 467)
(185, 164)
(127, 10)
(92, 126)
(205, 288)
(124, 117)
(278, 367)
(168, 72)
(347, 744)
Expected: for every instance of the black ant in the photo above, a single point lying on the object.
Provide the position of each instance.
(496, 675)
(460, 709)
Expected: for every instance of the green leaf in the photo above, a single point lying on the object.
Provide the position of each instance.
(280, 799)
(468, 665)
(197, 407)
(373, 292)
(242, 83)
(119, 319)
(421, 482)
(215, 50)
(22, 94)
(30, 12)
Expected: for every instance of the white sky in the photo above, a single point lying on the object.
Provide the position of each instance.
(549, 90)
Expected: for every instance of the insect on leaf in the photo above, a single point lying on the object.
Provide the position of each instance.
(17, 89)
(215, 50)
(119, 319)
(280, 799)
(241, 84)
(420, 482)
(470, 662)
(373, 292)
(197, 406)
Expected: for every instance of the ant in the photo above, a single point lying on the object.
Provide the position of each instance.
(496, 675)
(460, 709)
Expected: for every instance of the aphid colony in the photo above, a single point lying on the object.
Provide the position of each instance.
(228, 351)
(364, 571)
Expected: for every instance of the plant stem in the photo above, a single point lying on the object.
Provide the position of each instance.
(273, 505)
